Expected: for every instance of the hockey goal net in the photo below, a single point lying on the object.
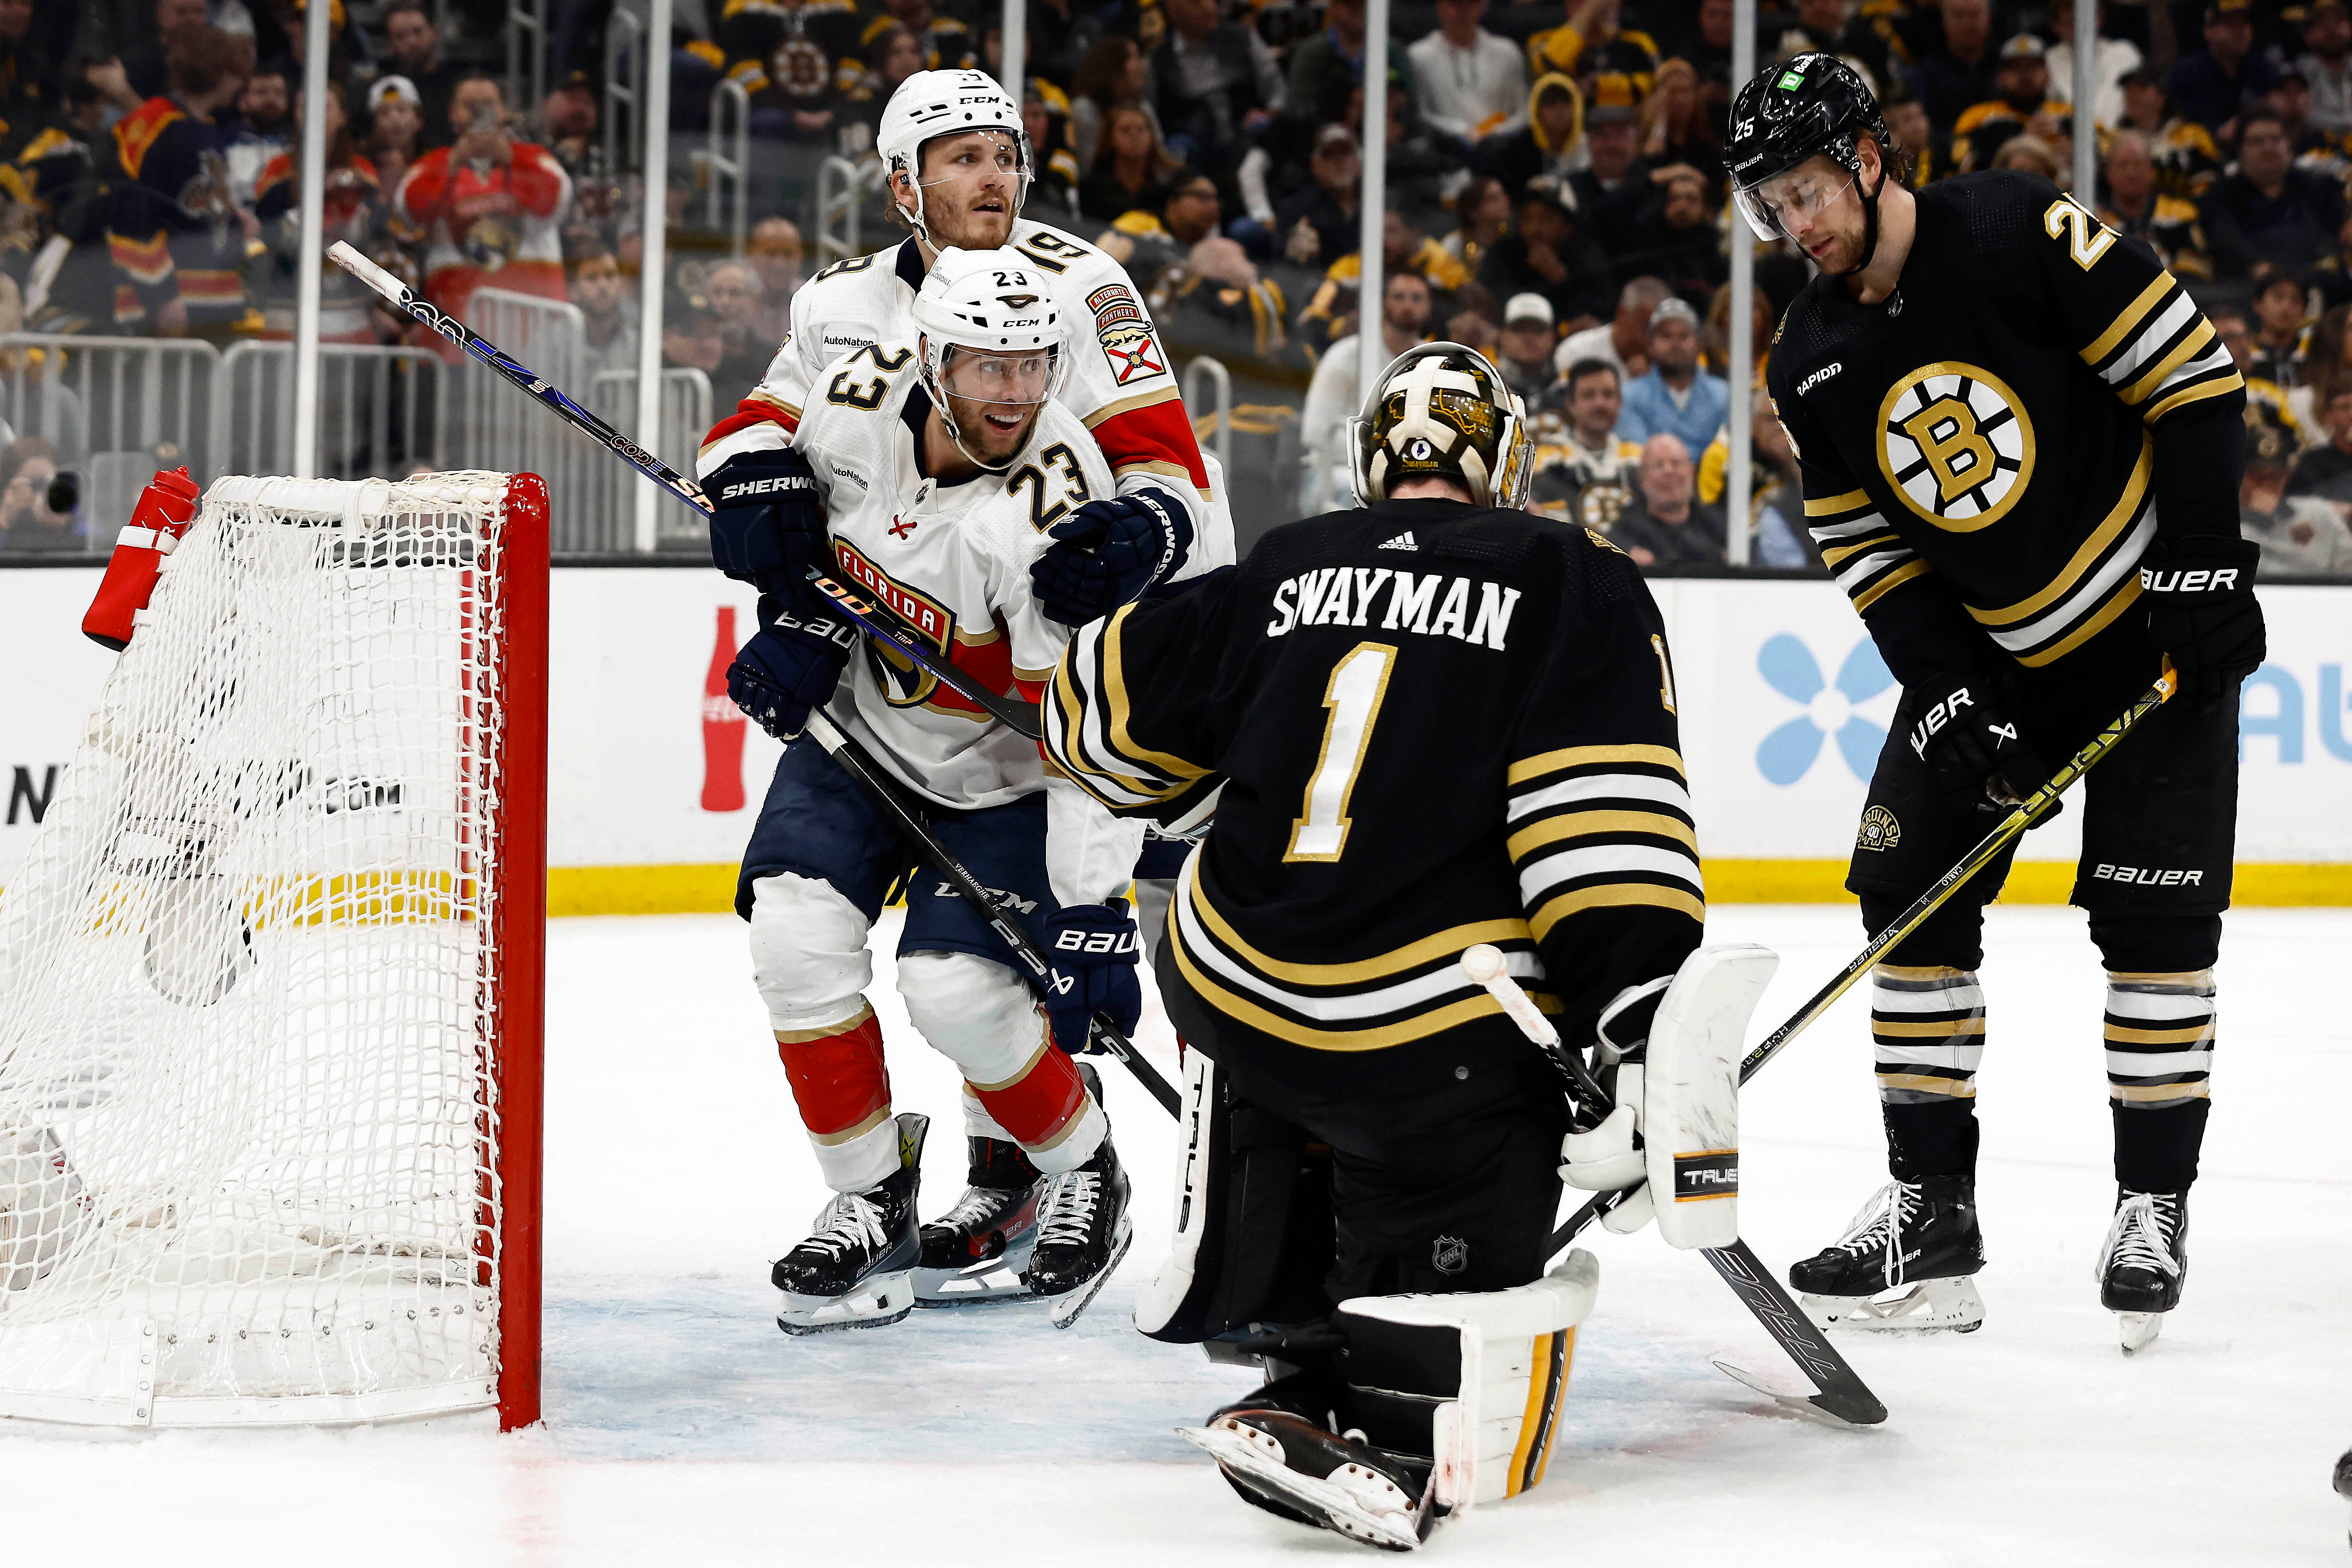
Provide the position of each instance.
(270, 978)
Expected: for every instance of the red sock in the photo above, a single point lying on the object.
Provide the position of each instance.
(1036, 1104)
(838, 1079)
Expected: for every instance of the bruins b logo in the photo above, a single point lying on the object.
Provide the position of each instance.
(1956, 444)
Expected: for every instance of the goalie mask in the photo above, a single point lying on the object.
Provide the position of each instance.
(990, 334)
(931, 104)
(1441, 411)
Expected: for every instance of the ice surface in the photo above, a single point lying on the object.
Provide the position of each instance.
(682, 1428)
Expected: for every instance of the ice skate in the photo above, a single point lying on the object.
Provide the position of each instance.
(2143, 1263)
(1082, 1233)
(2343, 1481)
(1922, 1235)
(857, 1268)
(975, 1252)
(1289, 1464)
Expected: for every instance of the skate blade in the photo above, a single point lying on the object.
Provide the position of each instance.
(1798, 1403)
(1357, 1503)
(878, 1303)
(1931, 1306)
(1066, 1307)
(975, 1284)
(2137, 1331)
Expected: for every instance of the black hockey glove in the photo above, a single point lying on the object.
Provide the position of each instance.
(1108, 552)
(791, 665)
(1092, 948)
(1960, 726)
(2201, 610)
(767, 526)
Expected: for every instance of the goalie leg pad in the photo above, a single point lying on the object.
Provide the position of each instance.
(1690, 1092)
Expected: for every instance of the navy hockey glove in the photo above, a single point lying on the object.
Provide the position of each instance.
(1092, 948)
(1108, 552)
(2202, 612)
(767, 525)
(791, 665)
(1961, 727)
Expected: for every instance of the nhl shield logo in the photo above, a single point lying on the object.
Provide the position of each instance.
(1879, 830)
(1449, 1255)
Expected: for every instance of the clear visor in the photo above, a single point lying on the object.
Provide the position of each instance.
(1798, 196)
(990, 377)
(973, 155)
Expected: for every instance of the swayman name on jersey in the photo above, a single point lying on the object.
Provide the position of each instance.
(1121, 384)
(1990, 450)
(1507, 773)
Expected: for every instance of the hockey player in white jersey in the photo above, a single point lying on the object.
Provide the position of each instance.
(925, 470)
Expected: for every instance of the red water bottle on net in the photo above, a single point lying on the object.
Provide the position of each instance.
(723, 726)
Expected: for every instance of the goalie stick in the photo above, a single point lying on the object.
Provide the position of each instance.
(870, 618)
(1844, 1398)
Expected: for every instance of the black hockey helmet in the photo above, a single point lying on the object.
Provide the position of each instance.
(1814, 105)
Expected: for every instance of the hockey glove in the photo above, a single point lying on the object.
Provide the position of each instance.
(1960, 728)
(2201, 610)
(1108, 552)
(1092, 948)
(1609, 1158)
(790, 666)
(767, 525)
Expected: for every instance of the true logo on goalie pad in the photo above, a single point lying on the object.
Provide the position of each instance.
(1709, 1173)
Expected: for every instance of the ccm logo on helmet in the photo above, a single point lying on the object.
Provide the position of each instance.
(2203, 580)
(1936, 717)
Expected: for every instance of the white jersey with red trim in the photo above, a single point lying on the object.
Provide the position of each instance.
(951, 560)
(1120, 386)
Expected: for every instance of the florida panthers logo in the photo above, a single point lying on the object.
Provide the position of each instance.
(1956, 444)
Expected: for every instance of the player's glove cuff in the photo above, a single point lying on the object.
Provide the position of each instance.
(2202, 613)
(1108, 552)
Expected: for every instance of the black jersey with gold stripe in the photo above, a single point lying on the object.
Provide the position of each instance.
(1421, 726)
(1995, 444)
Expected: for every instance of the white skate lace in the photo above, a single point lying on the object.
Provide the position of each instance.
(1068, 1210)
(976, 1205)
(850, 1220)
(1876, 1224)
(2139, 1237)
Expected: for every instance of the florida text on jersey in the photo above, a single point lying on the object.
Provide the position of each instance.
(1120, 384)
(2004, 424)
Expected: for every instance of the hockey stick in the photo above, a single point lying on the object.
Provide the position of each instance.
(1099, 1030)
(1843, 1398)
(1020, 716)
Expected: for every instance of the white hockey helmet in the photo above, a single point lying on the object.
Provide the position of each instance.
(991, 331)
(1441, 411)
(929, 104)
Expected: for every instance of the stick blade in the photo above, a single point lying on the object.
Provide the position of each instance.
(1829, 1410)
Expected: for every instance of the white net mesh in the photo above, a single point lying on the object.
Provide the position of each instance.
(248, 1021)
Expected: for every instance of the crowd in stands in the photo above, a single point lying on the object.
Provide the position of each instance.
(1555, 195)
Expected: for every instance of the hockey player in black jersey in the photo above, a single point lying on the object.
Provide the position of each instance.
(1432, 722)
(2020, 444)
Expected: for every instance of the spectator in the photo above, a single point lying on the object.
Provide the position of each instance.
(2187, 159)
(733, 290)
(793, 58)
(264, 127)
(1551, 143)
(691, 338)
(1614, 186)
(2268, 403)
(893, 53)
(1591, 45)
(2299, 535)
(1715, 349)
(1422, 166)
(394, 129)
(26, 523)
(2111, 59)
(1586, 474)
(567, 123)
(1332, 397)
(1326, 67)
(413, 47)
(776, 254)
(2215, 85)
(1114, 74)
(1929, 146)
(1131, 168)
(26, 68)
(1150, 244)
(2021, 92)
(2326, 470)
(1549, 254)
(608, 313)
(1053, 183)
(2312, 147)
(1780, 502)
(1320, 225)
(1707, 46)
(140, 71)
(1960, 69)
(1217, 85)
(1675, 397)
(491, 209)
(2167, 225)
(2326, 65)
(1403, 249)
(1664, 524)
(1623, 341)
(1473, 85)
(1673, 130)
(2282, 336)
(353, 210)
(2269, 210)
(944, 42)
(2030, 154)
(1524, 348)
(176, 233)
(1220, 305)
(1678, 239)
(1485, 209)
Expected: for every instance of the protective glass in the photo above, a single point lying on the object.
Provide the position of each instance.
(1801, 194)
(986, 376)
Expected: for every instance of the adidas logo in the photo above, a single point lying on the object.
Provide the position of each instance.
(1401, 542)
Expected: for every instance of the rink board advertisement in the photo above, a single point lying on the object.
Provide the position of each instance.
(655, 778)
